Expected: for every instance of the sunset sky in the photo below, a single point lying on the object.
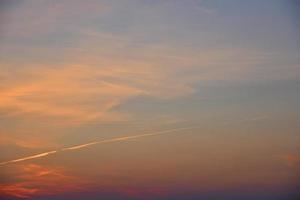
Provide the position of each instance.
(149, 99)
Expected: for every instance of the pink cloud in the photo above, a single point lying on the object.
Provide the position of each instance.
(34, 180)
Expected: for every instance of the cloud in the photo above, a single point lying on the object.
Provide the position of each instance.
(100, 74)
(290, 160)
(94, 80)
(89, 86)
(70, 63)
(74, 93)
(32, 179)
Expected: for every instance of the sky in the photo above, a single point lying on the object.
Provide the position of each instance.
(149, 99)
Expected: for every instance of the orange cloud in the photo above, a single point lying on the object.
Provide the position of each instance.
(75, 94)
(40, 180)
(18, 190)
(35, 180)
(96, 73)
(290, 159)
(71, 93)
(81, 93)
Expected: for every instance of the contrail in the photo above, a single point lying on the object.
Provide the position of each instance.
(124, 138)
(93, 143)
(29, 157)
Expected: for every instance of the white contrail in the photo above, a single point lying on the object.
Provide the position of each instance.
(29, 157)
(93, 143)
(124, 138)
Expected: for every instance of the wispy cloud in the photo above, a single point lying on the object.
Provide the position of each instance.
(74, 93)
(290, 160)
(32, 179)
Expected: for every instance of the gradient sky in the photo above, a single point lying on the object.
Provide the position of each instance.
(80, 72)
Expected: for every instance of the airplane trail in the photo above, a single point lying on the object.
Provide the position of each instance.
(93, 143)
(29, 157)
